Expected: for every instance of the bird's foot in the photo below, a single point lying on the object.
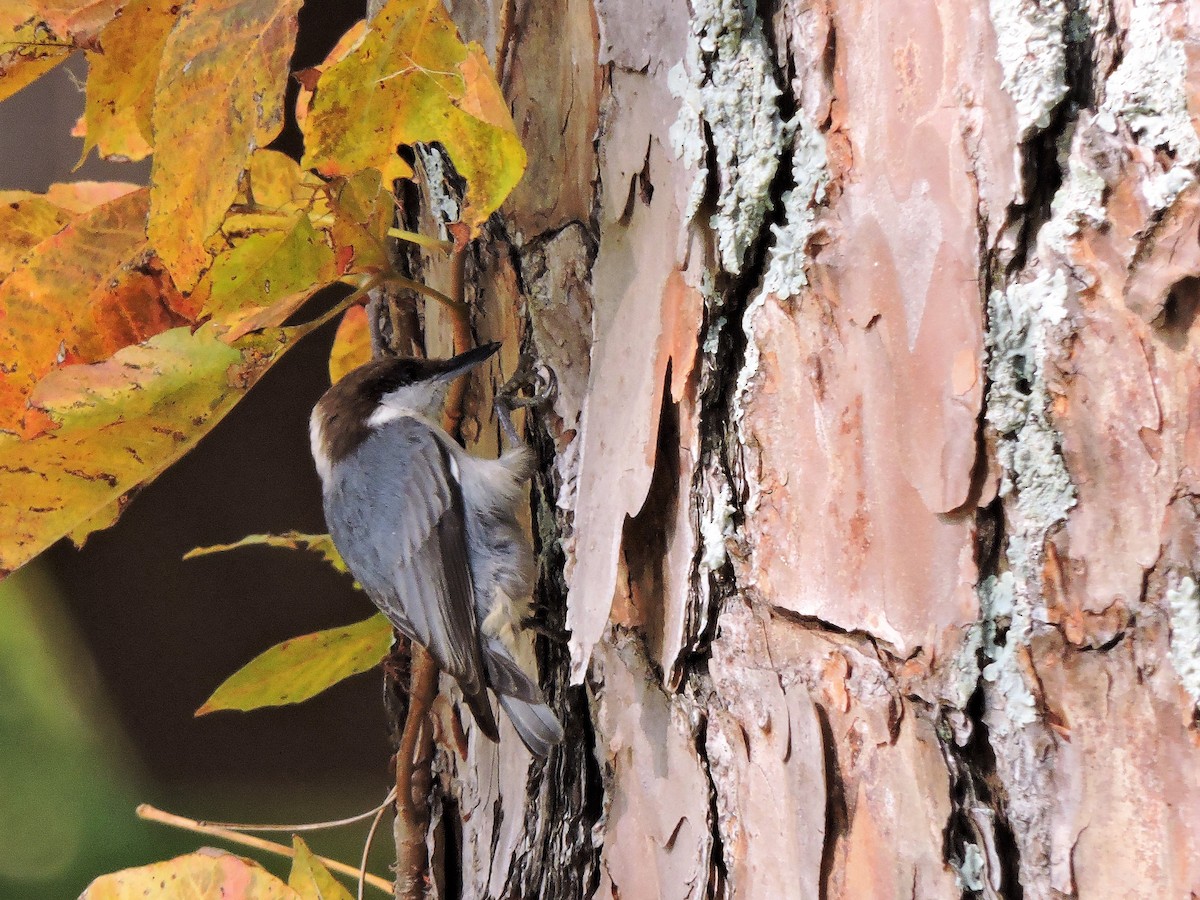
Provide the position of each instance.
(541, 385)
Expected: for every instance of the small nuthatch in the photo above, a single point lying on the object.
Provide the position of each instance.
(431, 532)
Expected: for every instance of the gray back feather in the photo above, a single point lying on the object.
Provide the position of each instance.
(396, 514)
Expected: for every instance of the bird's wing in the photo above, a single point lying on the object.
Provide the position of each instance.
(397, 518)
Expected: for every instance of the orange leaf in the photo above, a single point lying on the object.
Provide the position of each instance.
(81, 295)
(351, 345)
(115, 425)
(219, 96)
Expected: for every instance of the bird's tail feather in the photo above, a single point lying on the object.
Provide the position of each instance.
(537, 726)
(481, 709)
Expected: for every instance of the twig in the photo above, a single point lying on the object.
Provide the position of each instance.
(461, 321)
(416, 747)
(504, 39)
(362, 868)
(153, 814)
(305, 826)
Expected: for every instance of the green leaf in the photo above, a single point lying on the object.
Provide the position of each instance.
(310, 879)
(267, 275)
(410, 79)
(303, 667)
(321, 544)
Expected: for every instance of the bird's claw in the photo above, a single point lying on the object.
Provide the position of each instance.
(542, 385)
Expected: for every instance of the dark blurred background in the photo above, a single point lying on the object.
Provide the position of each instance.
(105, 652)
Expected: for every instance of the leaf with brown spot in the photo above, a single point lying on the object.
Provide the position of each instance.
(219, 96)
(303, 667)
(79, 296)
(122, 74)
(362, 209)
(266, 276)
(114, 425)
(203, 874)
(409, 80)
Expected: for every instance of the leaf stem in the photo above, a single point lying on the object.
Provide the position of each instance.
(153, 814)
(420, 240)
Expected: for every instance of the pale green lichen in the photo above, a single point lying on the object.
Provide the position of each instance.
(1183, 603)
(1149, 92)
(727, 83)
(1007, 624)
(1032, 54)
(1025, 322)
(787, 268)
(1077, 203)
(971, 870)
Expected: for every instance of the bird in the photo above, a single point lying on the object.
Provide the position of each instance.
(431, 532)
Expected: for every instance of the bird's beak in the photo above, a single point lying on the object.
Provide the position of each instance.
(465, 362)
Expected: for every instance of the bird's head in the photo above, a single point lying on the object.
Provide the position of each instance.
(380, 391)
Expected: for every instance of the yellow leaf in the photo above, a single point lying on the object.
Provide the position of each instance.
(277, 182)
(111, 426)
(26, 220)
(204, 875)
(266, 276)
(29, 48)
(310, 879)
(219, 96)
(321, 544)
(121, 77)
(411, 79)
(303, 667)
(351, 345)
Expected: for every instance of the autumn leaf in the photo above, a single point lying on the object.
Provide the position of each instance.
(351, 345)
(409, 80)
(267, 275)
(111, 426)
(196, 876)
(277, 183)
(303, 667)
(79, 296)
(361, 209)
(29, 47)
(321, 544)
(219, 96)
(122, 74)
(310, 879)
(26, 219)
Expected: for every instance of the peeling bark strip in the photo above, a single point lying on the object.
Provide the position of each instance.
(870, 494)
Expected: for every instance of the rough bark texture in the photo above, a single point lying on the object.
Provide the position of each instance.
(869, 495)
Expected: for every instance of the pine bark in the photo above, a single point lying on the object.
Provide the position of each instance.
(869, 491)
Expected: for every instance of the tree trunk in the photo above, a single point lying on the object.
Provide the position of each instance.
(869, 490)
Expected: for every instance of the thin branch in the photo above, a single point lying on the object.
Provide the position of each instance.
(362, 868)
(416, 748)
(461, 320)
(152, 814)
(304, 826)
